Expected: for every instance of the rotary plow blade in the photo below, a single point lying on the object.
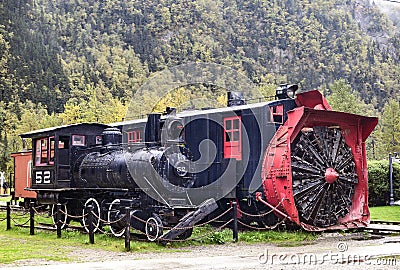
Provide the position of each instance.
(315, 171)
(324, 176)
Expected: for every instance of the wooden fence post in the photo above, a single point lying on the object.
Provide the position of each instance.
(89, 210)
(32, 218)
(127, 228)
(58, 220)
(8, 216)
(235, 221)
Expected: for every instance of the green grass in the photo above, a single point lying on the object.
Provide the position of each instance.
(16, 244)
(280, 238)
(386, 213)
(5, 198)
(207, 235)
(15, 247)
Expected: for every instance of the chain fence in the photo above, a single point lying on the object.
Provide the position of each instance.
(92, 221)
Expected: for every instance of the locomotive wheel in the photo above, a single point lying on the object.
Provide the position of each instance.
(114, 214)
(96, 214)
(324, 176)
(153, 228)
(64, 215)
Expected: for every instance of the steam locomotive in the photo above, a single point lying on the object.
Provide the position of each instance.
(293, 156)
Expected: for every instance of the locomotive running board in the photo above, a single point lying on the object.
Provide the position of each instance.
(190, 219)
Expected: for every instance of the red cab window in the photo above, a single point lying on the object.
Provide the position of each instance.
(233, 137)
(134, 136)
(51, 146)
(44, 152)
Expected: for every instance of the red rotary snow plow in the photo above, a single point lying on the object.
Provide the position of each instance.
(315, 170)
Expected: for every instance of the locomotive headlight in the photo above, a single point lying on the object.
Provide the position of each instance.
(286, 91)
(175, 128)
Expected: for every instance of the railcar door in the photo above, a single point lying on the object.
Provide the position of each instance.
(22, 174)
(63, 154)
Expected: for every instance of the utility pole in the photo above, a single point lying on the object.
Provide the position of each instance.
(391, 200)
(391, 160)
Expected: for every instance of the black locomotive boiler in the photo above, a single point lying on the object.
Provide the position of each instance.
(86, 164)
(294, 156)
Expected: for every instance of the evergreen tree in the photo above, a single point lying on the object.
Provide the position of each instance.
(343, 99)
(389, 129)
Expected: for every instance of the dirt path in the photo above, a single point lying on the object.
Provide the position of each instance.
(352, 251)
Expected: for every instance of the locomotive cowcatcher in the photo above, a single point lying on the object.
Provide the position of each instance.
(294, 156)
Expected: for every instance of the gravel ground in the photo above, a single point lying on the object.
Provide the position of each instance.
(350, 251)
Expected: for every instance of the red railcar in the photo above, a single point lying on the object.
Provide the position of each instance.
(22, 176)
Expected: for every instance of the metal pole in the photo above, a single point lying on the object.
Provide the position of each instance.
(8, 215)
(127, 228)
(32, 219)
(235, 223)
(89, 209)
(58, 220)
(391, 200)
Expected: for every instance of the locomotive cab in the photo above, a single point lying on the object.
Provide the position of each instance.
(55, 150)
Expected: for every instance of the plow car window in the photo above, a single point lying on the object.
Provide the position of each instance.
(232, 138)
(277, 113)
(134, 136)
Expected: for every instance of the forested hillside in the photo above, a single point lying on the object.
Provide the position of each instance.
(390, 8)
(65, 61)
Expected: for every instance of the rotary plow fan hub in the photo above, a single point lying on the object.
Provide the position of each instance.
(331, 175)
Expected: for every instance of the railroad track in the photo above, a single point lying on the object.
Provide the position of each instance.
(17, 208)
(385, 222)
(13, 208)
(383, 227)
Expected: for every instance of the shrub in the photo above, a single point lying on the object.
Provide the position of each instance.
(378, 182)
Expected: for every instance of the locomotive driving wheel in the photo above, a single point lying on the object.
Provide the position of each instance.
(324, 176)
(96, 214)
(115, 218)
(64, 215)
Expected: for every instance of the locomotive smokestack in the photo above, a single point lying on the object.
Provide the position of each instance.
(235, 99)
(152, 131)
